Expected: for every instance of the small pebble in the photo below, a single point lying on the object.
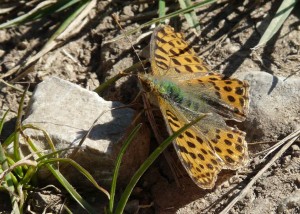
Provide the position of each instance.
(295, 147)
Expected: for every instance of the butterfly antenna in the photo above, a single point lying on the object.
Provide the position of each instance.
(115, 17)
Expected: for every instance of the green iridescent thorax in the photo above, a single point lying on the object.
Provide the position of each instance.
(173, 92)
(164, 87)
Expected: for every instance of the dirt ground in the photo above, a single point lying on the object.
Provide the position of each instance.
(89, 58)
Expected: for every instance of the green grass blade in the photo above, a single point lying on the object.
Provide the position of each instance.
(4, 166)
(281, 15)
(8, 183)
(131, 70)
(28, 175)
(39, 11)
(118, 164)
(147, 164)
(59, 6)
(2, 121)
(79, 168)
(9, 140)
(18, 171)
(16, 146)
(190, 17)
(101, 88)
(161, 8)
(71, 189)
(46, 135)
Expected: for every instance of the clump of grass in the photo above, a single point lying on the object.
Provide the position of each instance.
(17, 172)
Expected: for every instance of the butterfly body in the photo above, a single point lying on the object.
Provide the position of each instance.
(183, 98)
(184, 89)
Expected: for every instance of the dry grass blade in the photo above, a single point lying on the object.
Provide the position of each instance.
(7, 8)
(18, 20)
(17, 164)
(242, 194)
(280, 143)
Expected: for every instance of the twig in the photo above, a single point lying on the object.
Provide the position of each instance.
(66, 53)
(274, 147)
(14, 87)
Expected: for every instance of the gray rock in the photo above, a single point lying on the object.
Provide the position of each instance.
(67, 111)
(274, 107)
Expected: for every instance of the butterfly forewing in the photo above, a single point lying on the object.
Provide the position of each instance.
(171, 54)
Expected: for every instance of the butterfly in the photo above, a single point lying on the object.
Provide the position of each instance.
(185, 89)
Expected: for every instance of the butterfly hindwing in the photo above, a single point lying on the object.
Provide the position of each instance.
(192, 147)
